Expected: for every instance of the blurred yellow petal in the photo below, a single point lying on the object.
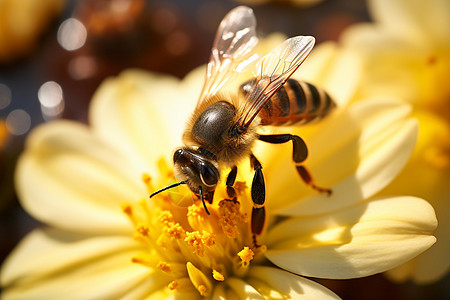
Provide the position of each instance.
(362, 240)
(52, 264)
(426, 175)
(388, 61)
(80, 182)
(125, 110)
(49, 251)
(406, 54)
(414, 18)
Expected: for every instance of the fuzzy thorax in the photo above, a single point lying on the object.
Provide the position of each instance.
(211, 126)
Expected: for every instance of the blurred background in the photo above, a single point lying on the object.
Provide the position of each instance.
(55, 53)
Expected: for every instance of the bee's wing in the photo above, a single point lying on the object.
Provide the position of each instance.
(235, 38)
(273, 70)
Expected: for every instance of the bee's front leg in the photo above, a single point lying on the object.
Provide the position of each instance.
(299, 155)
(231, 178)
(258, 193)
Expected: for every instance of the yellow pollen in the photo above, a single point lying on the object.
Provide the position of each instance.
(218, 276)
(142, 261)
(230, 217)
(208, 238)
(246, 255)
(163, 266)
(127, 209)
(199, 241)
(174, 230)
(240, 186)
(202, 289)
(172, 285)
(146, 178)
(166, 216)
(194, 211)
(143, 229)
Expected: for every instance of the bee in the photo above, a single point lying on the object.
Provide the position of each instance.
(222, 131)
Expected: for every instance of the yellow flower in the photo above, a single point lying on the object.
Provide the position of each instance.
(106, 239)
(406, 54)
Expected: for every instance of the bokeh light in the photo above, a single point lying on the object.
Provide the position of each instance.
(5, 96)
(18, 122)
(50, 96)
(72, 34)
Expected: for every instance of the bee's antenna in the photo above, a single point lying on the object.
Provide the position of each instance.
(169, 187)
(203, 199)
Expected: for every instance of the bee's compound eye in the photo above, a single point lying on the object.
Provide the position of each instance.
(209, 175)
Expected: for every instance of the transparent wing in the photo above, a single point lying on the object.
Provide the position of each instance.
(272, 71)
(235, 38)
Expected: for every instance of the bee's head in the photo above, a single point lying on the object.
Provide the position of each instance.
(196, 168)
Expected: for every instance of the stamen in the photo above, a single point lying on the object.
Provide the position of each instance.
(183, 284)
(142, 260)
(176, 270)
(199, 279)
(200, 241)
(197, 218)
(218, 276)
(172, 285)
(246, 255)
(127, 209)
(143, 229)
(165, 168)
(177, 237)
(230, 217)
(165, 267)
(240, 187)
(174, 230)
(166, 217)
(146, 178)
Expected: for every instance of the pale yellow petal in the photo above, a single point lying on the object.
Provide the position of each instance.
(143, 114)
(69, 179)
(49, 251)
(52, 264)
(278, 284)
(355, 153)
(430, 265)
(365, 239)
(243, 290)
(427, 176)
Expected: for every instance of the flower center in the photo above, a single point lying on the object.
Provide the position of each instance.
(195, 250)
(436, 87)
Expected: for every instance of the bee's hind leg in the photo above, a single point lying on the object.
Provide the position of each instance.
(299, 155)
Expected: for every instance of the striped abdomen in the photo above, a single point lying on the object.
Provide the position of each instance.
(296, 102)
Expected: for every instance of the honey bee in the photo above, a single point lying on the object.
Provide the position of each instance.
(222, 131)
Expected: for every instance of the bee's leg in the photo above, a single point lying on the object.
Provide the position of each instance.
(230, 182)
(258, 193)
(299, 154)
